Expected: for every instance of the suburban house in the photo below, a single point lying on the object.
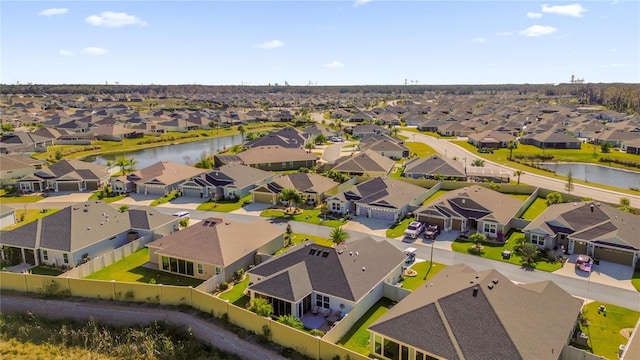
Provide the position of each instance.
(270, 158)
(616, 137)
(7, 216)
(435, 321)
(551, 140)
(435, 167)
(226, 182)
(387, 147)
(632, 146)
(589, 228)
(313, 187)
(67, 175)
(360, 131)
(365, 163)
(159, 179)
(83, 231)
(378, 198)
(491, 139)
(215, 247)
(289, 138)
(116, 132)
(23, 142)
(475, 208)
(311, 278)
(14, 166)
(453, 128)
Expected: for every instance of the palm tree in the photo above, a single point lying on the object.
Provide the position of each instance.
(309, 145)
(518, 173)
(291, 196)
(478, 239)
(529, 253)
(236, 148)
(511, 146)
(394, 131)
(241, 131)
(212, 124)
(131, 162)
(338, 235)
(122, 163)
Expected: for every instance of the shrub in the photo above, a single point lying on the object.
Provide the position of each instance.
(316, 332)
(223, 286)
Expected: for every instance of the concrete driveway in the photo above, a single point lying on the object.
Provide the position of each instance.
(184, 202)
(368, 225)
(606, 273)
(253, 209)
(66, 197)
(137, 200)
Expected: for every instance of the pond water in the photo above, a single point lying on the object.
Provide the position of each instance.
(623, 179)
(179, 153)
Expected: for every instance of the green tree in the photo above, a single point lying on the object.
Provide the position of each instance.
(122, 163)
(205, 162)
(529, 253)
(605, 147)
(569, 185)
(309, 146)
(211, 124)
(7, 127)
(288, 232)
(241, 130)
(59, 155)
(319, 139)
(477, 239)
(511, 146)
(324, 210)
(518, 173)
(338, 235)
(292, 321)
(184, 222)
(236, 148)
(123, 208)
(554, 198)
(625, 204)
(260, 306)
(291, 196)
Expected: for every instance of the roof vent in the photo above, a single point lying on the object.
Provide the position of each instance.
(495, 280)
(86, 210)
(88, 227)
(475, 291)
(490, 286)
(364, 268)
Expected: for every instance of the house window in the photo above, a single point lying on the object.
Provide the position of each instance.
(291, 164)
(322, 301)
(335, 206)
(65, 258)
(45, 255)
(200, 269)
(537, 239)
(378, 345)
(490, 228)
(284, 165)
(165, 263)
(218, 270)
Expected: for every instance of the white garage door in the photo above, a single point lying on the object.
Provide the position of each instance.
(191, 191)
(383, 215)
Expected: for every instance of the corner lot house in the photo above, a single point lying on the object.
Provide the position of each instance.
(80, 232)
(313, 278)
(378, 198)
(215, 247)
(473, 208)
(313, 187)
(468, 314)
(589, 228)
(67, 175)
(160, 178)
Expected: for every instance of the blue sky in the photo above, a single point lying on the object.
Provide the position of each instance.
(326, 42)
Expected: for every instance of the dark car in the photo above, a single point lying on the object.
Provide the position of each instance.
(431, 232)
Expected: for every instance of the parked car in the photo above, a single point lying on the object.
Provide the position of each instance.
(584, 263)
(336, 139)
(414, 229)
(432, 232)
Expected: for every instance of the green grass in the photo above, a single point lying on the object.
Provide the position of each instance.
(237, 291)
(311, 216)
(396, 173)
(635, 281)
(130, 269)
(43, 270)
(398, 230)
(29, 216)
(414, 282)
(165, 198)
(13, 199)
(107, 198)
(421, 149)
(536, 208)
(436, 195)
(297, 238)
(357, 339)
(494, 252)
(224, 205)
(604, 330)
(432, 134)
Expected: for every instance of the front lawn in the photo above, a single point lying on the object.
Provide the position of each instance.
(44, 270)
(636, 280)
(397, 229)
(311, 216)
(29, 216)
(165, 198)
(225, 205)
(536, 208)
(14, 198)
(357, 339)
(414, 282)
(604, 328)
(297, 238)
(106, 196)
(130, 269)
(421, 149)
(494, 252)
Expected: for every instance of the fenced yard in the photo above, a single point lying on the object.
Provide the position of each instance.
(357, 339)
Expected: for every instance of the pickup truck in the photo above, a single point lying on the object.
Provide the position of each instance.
(414, 229)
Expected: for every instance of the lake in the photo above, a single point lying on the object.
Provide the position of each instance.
(623, 179)
(179, 153)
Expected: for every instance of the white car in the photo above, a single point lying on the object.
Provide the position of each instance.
(414, 229)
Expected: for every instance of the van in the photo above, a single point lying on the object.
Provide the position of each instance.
(181, 214)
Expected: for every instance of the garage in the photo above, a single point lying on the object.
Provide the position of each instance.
(456, 224)
(68, 186)
(382, 214)
(579, 247)
(432, 221)
(155, 189)
(613, 255)
(191, 191)
(263, 198)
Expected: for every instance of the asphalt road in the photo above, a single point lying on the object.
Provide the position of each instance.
(121, 315)
(449, 150)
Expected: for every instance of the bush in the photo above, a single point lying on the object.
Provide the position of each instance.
(223, 286)
(316, 332)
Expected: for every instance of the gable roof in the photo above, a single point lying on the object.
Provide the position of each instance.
(506, 323)
(164, 172)
(74, 169)
(274, 155)
(303, 182)
(348, 273)
(237, 175)
(435, 164)
(287, 138)
(365, 162)
(382, 192)
(14, 162)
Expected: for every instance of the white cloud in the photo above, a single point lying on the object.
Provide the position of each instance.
(478, 40)
(335, 64)
(273, 44)
(533, 15)
(65, 53)
(504, 33)
(53, 11)
(574, 10)
(361, 2)
(113, 19)
(538, 30)
(92, 50)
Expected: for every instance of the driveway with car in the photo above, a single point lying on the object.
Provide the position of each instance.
(605, 272)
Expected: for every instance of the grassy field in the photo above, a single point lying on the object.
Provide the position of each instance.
(398, 230)
(357, 339)
(43, 270)
(414, 282)
(436, 195)
(13, 199)
(494, 252)
(297, 238)
(29, 216)
(311, 216)
(224, 205)
(130, 269)
(562, 155)
(106, 198)
(604, 328)
(536, 208)
(421, 149)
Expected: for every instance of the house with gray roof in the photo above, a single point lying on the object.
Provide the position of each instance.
(15, 166)
(491, 139)
(365, 163)
(435, 321)
(598, 230)
(435, 167)
(362, 130)
(313, 187)
(67, 175)
(226, 182)
(342, 280)
(474, 208)
(385, 146)
(289, 137)
(23, 142)
(270, 158)
(379, 198)
(215, 247)
(79, 232)
(160, 178)
(551, 139)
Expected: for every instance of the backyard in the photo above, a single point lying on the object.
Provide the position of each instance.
(130, 269)
(414, 282)
(357, 339)
(297, 238)
(225, 205)
(45, 270)
(236, 294)
(311, 216)
(605, 328)
(494, 252)
(536, 208)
